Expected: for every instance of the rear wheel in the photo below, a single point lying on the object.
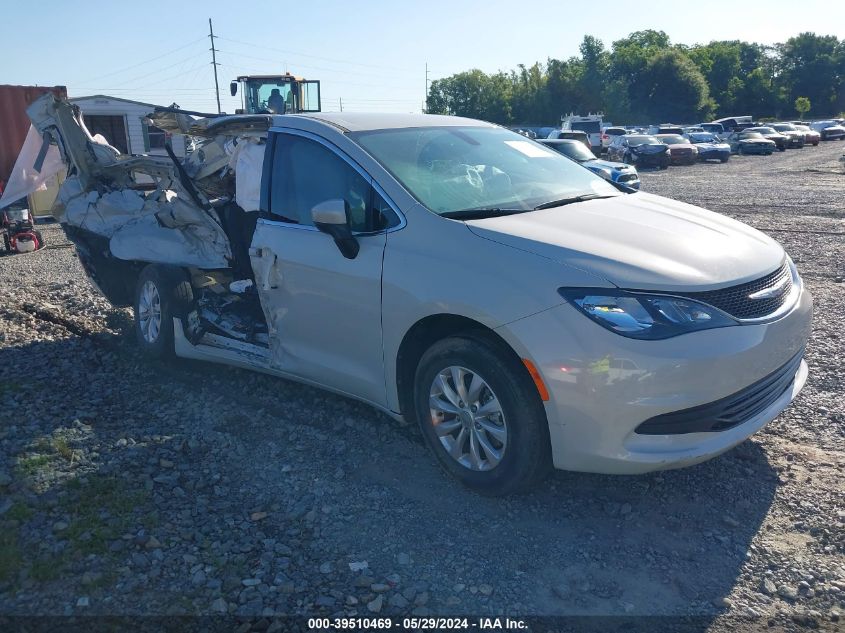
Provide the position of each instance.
(724, 159)
(161, 294)
(481, 415)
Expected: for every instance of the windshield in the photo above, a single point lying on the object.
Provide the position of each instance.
(633, 141)
(703, 137)
(576, 150)
(450, 169)
(784, 127)
(673, 139)
(764, 130)
(275, 96)
(586, 126)
(751, 135)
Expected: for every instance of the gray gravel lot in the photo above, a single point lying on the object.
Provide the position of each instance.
(131, 487)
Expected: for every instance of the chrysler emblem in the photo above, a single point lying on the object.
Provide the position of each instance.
(773, 292)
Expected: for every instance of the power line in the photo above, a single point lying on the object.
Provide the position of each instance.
(147, 61)
(157, 71)
(334, 70)
(327, 59)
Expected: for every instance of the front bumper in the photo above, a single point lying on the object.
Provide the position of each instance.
(603, 386)
(714, 154)
(684, 159)
(627, 178)
(651, 160)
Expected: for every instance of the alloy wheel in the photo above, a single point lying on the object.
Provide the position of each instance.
(149, 312)
(468, 419)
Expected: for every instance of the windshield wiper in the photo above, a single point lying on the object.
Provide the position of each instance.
(573, 199)
(477, 214)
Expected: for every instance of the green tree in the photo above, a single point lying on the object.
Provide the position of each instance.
(595, 64)
(674, 88)
(811, 67)
(471, 94)
(802, 106)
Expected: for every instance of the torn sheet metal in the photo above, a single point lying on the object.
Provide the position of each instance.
(35, 165)
(174, 224)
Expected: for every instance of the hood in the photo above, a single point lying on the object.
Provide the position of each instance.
(641, 241)
(706, 146)
(606, 164)
(649, 148)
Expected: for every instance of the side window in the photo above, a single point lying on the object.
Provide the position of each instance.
(306, 173)
(383, 216)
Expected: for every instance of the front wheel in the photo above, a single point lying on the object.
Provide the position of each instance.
(481, 415)
(724, 159)
(161, 294)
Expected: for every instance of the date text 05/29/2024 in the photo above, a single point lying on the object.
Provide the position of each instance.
(417, 623)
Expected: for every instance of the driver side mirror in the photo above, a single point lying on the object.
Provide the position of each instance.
(332, 217)
(233, 88)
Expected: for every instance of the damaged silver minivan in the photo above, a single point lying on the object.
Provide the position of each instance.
(523, 310)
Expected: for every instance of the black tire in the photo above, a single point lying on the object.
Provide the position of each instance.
(173, 288)
(527, 457)
(724, 159)
(7, 243)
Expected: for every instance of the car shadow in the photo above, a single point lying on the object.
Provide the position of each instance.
(663, 544)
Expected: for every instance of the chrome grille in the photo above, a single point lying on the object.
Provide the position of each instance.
(737, 302)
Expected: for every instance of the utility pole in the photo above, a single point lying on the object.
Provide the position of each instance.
(425, 98)
(340, 101)
(214, 64)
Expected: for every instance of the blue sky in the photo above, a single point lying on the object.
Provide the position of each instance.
(371, 54)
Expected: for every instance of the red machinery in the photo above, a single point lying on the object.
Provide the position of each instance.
(19, 232)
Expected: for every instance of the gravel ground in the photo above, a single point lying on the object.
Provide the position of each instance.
(137, 488)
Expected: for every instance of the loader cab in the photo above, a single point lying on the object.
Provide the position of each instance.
(276, 94)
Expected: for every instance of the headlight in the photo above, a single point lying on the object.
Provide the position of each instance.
(644, 316)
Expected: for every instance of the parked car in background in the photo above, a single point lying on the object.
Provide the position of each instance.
(615, 172)
(781, 141)
(735, 123)
(642, 150)
(574, 135)
(714, 128)
(689, 129)
(829, 130)
(590, 124)
(796, 136)
(665, 128)
(608, 133)
(681, 151)
(746, 142)
(811, 137)
(710, 146)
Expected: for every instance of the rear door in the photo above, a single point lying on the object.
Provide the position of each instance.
(323, 310)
